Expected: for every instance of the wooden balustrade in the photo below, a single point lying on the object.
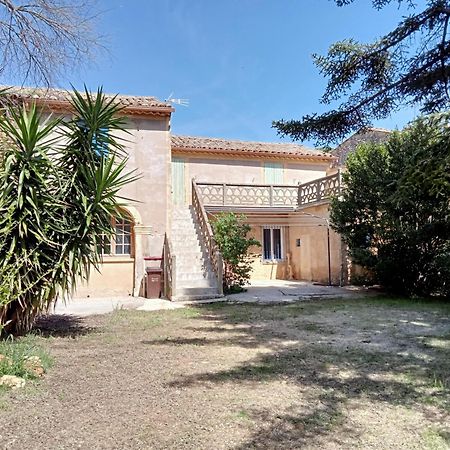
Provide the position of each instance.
(207, 236)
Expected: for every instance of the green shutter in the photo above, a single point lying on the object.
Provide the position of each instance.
(273, 173)
(178, 181)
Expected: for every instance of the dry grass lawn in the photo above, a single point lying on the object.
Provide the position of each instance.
(331, 374)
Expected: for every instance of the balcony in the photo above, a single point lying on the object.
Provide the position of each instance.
(224, 196)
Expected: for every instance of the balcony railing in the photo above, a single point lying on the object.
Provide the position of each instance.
(264, 195)
(319, 190)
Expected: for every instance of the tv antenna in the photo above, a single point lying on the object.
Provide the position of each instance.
(177, 101)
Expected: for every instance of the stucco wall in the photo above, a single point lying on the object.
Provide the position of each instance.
(307, 262)
(148, 148)
(147, 144)
(245, 171)
(116, 278)
(266, 270)
(224, 170)
(302, 173)
(310, 260)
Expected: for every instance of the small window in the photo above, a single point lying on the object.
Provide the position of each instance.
(101, 145)
(273, 243)
(121, 242)
(100, 140)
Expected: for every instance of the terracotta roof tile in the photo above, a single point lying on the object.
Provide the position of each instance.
(191, 143)
(375, 135)
(59, 95)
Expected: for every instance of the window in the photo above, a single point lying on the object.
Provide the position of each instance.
(121, 242)
(100, 139)
(273, 243)
(100, 142)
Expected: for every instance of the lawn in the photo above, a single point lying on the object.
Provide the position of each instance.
(329, 374)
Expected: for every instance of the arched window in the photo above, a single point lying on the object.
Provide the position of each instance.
(122, 241)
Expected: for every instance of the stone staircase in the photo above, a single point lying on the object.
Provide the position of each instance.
(195, 278)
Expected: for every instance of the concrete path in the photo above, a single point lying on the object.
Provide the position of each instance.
(280, 291)
(273, 291)
(104, 305)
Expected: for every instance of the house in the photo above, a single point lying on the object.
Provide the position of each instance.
(261, 181)
(283, 189)
(372, 135)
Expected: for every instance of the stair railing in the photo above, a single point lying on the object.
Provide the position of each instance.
(169, 269)
(207, 236)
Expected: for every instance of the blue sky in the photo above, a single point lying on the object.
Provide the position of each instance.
(240, 63)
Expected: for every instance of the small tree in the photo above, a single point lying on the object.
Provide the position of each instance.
(41, 40)
(394, 212)
(410, 65)
(230, 232)
(59, 184)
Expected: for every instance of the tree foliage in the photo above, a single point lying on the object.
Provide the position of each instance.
(394, 213)
(230, 232)
(59, 185)
(408, 66)
(41, 39)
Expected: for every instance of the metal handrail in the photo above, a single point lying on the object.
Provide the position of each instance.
(207, 236)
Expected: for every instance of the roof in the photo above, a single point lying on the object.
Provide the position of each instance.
(194, 144)
(373, 135)
(58, 99)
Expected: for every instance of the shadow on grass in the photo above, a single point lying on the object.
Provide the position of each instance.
(296, 428)
(61, 325)
(331, 374)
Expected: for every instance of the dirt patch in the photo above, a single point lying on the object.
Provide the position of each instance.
(329, 374)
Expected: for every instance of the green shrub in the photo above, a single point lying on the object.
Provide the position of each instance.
(394, 210)
(230, 232)
(59, 184)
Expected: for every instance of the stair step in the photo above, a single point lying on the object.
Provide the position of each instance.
(183, 216)
(178, 224)
(183, 269)
(186, 242)
(190, 258)
(204, 291)
(185, 238)
(186, 248)
(186, 272)
(195, 277)
(194, 297)
(183, 231)
(192, 253)
(189, 264)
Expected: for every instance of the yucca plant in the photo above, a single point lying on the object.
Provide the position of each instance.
(59, 188)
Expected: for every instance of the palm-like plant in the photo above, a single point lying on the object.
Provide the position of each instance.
(59, 188)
